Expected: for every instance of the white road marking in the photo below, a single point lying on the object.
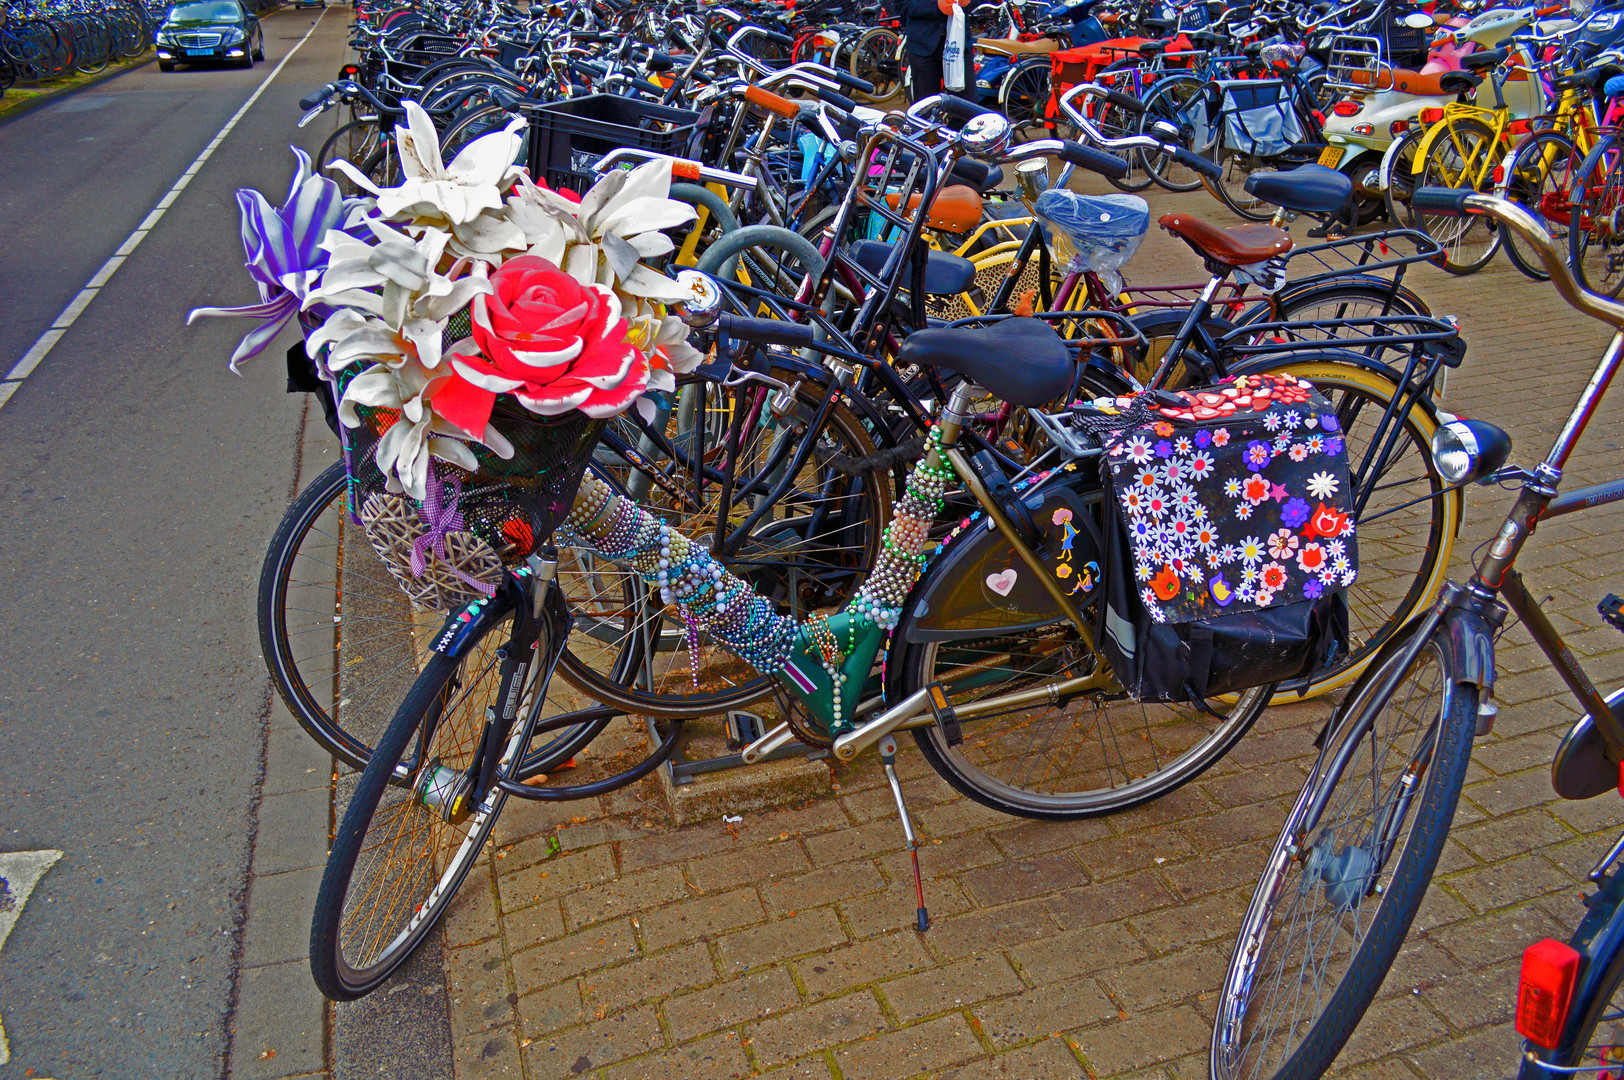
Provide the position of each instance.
(76, 307)
(20, 871)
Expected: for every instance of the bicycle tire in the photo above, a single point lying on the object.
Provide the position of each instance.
(1023, 93)
(1407, 873)
(873, 59)
(382, 807)
(746, 247)
(1116, 122)
(1598, 197)
(986, 765)
(1165, 103)
(1537, 184)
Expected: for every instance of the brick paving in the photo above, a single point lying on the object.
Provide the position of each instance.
(599, 940)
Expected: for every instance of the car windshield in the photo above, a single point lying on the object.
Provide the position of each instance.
(209, 11)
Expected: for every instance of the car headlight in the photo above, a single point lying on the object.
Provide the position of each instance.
(233, 36)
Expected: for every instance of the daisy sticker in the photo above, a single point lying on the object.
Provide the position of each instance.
(1322, 485)
(1251, 550)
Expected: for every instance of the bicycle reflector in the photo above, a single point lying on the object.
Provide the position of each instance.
(1431, 116)
(1545, 990)
(1468, 450)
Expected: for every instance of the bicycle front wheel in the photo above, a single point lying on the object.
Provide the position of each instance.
(407, 839)
(1460, 157)
(1540, 180)
(1348, 870)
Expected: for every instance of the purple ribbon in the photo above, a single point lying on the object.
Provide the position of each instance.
(442, 518)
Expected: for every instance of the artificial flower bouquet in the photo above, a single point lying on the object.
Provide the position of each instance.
(475, 330)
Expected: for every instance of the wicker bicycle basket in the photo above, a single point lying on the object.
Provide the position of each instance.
(489, 519)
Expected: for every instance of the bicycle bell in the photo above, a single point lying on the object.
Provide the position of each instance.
(704, 300)
(985, 133)
(1032, 178)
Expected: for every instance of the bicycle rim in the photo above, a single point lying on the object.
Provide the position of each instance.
(1096, 755)
(1329, 912)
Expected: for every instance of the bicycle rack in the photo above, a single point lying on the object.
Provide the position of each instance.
(1357, 62)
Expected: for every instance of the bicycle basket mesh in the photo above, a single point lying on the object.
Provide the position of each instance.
(504, 508)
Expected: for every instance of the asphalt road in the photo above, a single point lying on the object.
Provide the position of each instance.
(140, 480)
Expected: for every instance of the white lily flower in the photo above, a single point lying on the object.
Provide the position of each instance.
(459, 192)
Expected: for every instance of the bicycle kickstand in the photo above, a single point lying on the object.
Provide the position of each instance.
(888, 756)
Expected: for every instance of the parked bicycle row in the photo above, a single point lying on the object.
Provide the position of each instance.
(41, 41)
(665, 367)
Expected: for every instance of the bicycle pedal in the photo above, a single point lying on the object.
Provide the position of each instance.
(743, 728)
(946, 718)
(1612, 610)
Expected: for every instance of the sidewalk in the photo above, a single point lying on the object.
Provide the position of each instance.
(601, 941)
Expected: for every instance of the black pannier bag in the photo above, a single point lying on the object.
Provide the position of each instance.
(1228, 534)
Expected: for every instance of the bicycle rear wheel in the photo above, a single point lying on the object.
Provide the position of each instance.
(1341, 888)
(403, 845)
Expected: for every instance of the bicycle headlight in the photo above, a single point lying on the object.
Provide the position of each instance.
(1469, 450)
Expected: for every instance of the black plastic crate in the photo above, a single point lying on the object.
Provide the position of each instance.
(568, 137)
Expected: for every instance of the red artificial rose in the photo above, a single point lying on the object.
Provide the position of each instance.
(552, 342)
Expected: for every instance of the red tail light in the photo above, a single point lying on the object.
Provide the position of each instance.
(1499, 175)
(1431, 116)
(1347, 108)
(1545, 990)
(1398, 127)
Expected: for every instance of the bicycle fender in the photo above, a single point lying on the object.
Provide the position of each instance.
(1470, 640)
(1260, 312)
(976, 583)
(464, 626)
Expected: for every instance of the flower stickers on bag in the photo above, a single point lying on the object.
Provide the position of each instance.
(562, 314)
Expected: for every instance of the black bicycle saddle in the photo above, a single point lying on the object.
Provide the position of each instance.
(1022, 361)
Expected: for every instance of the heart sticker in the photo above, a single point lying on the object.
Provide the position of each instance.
(1001, 583)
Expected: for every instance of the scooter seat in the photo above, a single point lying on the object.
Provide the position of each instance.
(1022, 361)
(1307, 189)
(1040, 47)
(1152, 49)
(1422, 84)
(945, 274)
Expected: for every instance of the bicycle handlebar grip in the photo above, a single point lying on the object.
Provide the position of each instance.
(957, 106)
(839, 101)
(1441, 200)
(310, 101)
(1192, 160)
(853, 82)
(766, 331)
(1125, 101)
(648, 87)
(1086, 157)
(770, 101)
(774, 35)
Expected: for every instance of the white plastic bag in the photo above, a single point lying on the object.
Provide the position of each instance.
(953, 51)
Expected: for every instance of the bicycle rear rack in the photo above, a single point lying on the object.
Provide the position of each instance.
(1357, 62)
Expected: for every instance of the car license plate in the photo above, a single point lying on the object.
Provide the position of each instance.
(1331, 156)
(199, 52)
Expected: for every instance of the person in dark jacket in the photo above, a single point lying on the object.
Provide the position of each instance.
(924, 31)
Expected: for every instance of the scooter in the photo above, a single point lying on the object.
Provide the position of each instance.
(1381, 102)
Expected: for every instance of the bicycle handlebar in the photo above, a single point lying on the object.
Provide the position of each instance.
(1458, 202)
